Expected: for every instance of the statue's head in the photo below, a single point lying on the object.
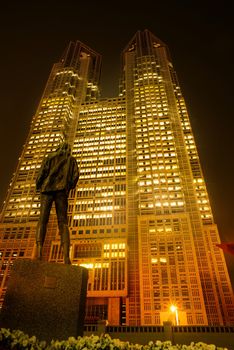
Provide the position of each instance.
(64, 148)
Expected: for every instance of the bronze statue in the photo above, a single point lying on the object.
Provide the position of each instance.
(58, 174)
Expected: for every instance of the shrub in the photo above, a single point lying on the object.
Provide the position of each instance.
(17, 340)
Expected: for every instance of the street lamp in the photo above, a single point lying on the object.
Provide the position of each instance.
(174, 309)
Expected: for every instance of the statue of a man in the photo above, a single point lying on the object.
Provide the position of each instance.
(58, 174)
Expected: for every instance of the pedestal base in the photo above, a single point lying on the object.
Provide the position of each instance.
(45, 299)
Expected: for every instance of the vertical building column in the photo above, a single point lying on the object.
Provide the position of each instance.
(114, 311)
(132, 200)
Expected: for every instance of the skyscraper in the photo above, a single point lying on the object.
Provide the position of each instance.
(140, 218)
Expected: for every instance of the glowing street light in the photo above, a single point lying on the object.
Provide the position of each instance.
(174, 309)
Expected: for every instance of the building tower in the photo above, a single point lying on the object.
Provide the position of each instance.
(176, 238)
(73, 80)
(140, 218)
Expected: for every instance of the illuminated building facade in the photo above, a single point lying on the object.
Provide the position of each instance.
(140, 218)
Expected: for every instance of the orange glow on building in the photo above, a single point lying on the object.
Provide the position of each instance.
(140, 218)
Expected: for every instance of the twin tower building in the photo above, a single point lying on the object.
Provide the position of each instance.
(140, 218)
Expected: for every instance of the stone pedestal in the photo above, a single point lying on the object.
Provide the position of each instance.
(45, 299)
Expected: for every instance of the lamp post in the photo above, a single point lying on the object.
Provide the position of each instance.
(174, 309)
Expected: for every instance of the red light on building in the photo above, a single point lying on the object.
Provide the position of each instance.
(227, 247)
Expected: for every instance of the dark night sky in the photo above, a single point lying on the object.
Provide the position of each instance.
(34, 34)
